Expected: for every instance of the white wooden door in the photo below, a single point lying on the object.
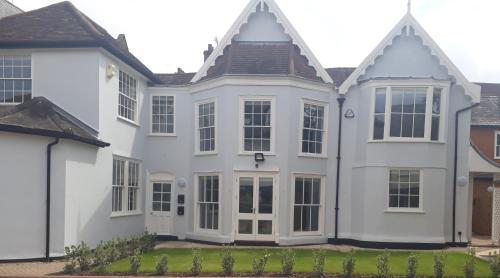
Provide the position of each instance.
(256, 207)
(160, 207)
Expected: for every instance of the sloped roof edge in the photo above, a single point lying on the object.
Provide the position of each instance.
(281, 19)
(471, 89)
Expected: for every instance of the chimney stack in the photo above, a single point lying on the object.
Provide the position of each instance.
(122, 41)
(179, 70)
(208, 52)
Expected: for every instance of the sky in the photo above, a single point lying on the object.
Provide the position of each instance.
(167, 34)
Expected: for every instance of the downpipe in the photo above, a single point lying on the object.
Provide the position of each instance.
(47, 210)
(341, 101)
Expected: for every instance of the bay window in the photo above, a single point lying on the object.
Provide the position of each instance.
(208, 202)
(409, 113)
(257, 124)
(313, 128)
(205, 127)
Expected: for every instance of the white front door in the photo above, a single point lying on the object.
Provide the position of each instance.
(159, 218)
(256, 207)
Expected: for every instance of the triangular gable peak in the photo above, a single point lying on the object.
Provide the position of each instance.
(288, 29)
(409, 24)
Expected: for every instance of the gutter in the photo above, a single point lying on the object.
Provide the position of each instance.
(47, 211)
(455, 161)
(341, 101)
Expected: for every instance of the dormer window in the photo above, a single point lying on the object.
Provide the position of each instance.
(404, 113)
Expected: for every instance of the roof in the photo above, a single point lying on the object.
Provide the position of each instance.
(62, 25)
(256, 6)
(176, 79)
(279, 58)
(39, 116)
(339, 75)
(471, 89)
(488, 111)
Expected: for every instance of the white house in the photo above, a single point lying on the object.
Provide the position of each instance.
(262, 144)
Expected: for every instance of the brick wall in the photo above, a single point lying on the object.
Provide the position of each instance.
(484, 139)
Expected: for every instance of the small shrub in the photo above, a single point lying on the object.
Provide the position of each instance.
(470, 263)
(101, 257)
(349, 264)
(259, 264)
(83, 256)
(135, 262)
(495, 264)
(70, 254)
(196, 266)
(411, 271)
(319, 262)
(439, 265)
(383, 264)
(121, 246)
(147, 241)
(227, 262)
(287, 261)
(162, 265)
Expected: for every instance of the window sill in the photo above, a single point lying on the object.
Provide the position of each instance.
(310, 155)
(9, 104)
(316, 233)
(396, 210)
(125, 214)
(162, 135)
(130, 122)
(253, 153)
(207, 231)
(202, 154)
(405, 141)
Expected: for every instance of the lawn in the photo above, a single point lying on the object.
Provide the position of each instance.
(180, 262)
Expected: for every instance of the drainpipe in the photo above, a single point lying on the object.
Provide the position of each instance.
(341, 101)
(455, 160)
(47, 217)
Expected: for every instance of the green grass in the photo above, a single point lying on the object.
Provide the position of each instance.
(179, 261)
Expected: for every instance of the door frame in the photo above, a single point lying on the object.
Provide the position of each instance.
(160, 177)
(256, 174)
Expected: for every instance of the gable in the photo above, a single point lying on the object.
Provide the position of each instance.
(406, 57)
(408, 26)
(263, 21)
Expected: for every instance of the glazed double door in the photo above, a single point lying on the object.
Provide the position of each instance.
(256, 207)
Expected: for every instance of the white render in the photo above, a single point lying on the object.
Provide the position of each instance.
(77, 80)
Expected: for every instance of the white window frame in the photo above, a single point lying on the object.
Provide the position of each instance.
(430, 85)
(12, 78)
(420, 208)
(124, 204)
(241, 126)
(158, 134)
(196, 203)
(197, 127)
(497, 143)
(324, 142)
(134, 121)
(322, 197)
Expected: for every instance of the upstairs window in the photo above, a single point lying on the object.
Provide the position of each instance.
(205, 126)
(15, 79)
(407, 113)
(127, 102)
(257, 125)
(313, 137)
(497, 145)
(162, 115)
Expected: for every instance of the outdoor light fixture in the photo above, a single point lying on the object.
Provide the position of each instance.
(259, 157)
(462, 181)
(181, 182)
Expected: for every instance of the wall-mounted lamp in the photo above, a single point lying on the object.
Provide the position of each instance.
(181, 182)
(110, 70)
(349, 114)
(462, 181)
(258, 157)
(491, 189)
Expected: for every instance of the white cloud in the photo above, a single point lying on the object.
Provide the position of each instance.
(168, 34)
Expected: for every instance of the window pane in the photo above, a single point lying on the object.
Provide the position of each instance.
(380, 100)
(397, 100)
(407, 129)
(395, 125)
(299, 189)
(246, 195)
(420, 103)
(419, 126)
(435, 128)
(297, 218)
(378, 127)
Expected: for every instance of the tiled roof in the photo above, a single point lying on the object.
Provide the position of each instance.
(175, 78)
(41, 117)
(276, 58)
(63, 25)
(488, 111)
(339, 75)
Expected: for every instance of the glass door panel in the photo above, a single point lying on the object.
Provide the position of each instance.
(266, 195)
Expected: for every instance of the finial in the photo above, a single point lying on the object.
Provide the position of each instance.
(409, 6)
